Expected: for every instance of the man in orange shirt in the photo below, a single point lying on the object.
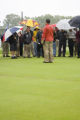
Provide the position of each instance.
(47, 40)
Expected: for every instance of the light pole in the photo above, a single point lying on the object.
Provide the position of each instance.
(22, 16)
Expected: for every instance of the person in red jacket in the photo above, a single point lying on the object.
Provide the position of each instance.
(47, 41)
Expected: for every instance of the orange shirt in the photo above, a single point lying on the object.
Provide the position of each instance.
(48, 33)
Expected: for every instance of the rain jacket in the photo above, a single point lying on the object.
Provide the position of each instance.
(48, 33)
(34, 35)
(62, 36)
(27, 38)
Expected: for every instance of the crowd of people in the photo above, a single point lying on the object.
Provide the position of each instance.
(47, 42)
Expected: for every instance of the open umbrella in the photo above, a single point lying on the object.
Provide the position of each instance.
(63, 24)
(30, 22)
(75, 22)
(11, 31)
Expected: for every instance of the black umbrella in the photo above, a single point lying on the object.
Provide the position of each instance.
(75, 22)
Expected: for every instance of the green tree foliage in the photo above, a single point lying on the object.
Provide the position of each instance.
(11, 20)
(54, 19)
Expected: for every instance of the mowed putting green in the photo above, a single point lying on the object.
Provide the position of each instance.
(32, 90)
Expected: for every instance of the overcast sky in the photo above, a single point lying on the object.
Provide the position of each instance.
(34, 8)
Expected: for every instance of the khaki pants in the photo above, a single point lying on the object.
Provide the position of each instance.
(48, 51)
(32, 48)
(27, 48)
(5, 48)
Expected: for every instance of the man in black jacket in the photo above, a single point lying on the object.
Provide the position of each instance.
(27, 39)
(62, 42)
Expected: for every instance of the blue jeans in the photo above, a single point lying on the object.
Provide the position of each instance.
(54, 48)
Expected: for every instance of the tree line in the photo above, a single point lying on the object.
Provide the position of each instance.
(14, 19)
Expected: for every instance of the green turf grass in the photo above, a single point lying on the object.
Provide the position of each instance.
(32, 90)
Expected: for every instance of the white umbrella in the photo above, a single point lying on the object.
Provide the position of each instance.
(11, 31)
(63, 24)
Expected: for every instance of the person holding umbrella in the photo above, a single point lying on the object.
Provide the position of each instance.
(75, 22)
(13, 45)
(12, 37)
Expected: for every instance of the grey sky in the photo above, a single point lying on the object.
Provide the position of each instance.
(39, 7)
